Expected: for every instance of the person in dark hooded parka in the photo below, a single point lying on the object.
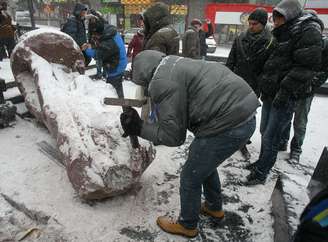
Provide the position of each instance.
(287, 73)
(303, 107)
(76, 29)
(209, 100)
(159, 35)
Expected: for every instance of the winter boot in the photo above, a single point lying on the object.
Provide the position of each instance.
(174, 227)
(282, 146)
(294, 156)
(244, 151)
(219, 214)
(255, 179)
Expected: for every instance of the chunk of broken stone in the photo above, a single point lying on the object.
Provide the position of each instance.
(99, 162)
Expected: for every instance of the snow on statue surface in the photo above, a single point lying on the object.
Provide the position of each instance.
(99, 162)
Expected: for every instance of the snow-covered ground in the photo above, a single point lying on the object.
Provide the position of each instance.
(35, 192)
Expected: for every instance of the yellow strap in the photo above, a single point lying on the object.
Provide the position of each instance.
(321, 215)
(270, 43)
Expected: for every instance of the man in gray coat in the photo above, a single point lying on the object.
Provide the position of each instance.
(191, 41)
(209, 100)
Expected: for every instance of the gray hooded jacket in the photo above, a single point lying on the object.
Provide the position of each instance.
(204, 97)
(290, 9)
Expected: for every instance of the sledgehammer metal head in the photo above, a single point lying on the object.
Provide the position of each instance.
(125, 102)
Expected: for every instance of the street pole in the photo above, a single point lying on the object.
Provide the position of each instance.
(305, 2)
(187, 16)
(31, 10)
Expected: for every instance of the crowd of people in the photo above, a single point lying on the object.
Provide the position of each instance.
(218, 105)
(216, 102)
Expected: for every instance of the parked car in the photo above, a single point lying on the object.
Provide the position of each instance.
(211, 44)
(128, 34)
(23, 18)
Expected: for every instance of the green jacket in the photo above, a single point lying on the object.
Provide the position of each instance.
(159, 35)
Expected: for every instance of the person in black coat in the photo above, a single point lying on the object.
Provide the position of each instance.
(303, 105)
(250, 51)
(292, 65)
(203, 35)
(191, 41)
(7, 32)
(76, 29)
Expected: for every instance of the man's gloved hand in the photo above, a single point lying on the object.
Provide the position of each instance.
(131, 122)
(281, 99)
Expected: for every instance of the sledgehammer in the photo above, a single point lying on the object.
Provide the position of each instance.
(80, 67)
(124, 103)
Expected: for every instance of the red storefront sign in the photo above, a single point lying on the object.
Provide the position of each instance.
(221, 13)
(237, 14)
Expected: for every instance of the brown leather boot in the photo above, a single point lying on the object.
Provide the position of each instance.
(173, 227)
(215, 214)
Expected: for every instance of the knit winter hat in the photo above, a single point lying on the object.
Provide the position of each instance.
(196, 21)
(260, 15)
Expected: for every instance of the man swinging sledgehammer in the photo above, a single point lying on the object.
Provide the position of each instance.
(207, 99)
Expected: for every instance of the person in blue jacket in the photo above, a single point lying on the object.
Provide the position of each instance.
(107, 44)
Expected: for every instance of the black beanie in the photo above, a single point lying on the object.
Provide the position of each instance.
(260, 15)
(96, 25)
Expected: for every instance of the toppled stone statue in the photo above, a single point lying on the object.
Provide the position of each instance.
(99, 162)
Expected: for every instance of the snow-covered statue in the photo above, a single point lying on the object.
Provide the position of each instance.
(99, 162)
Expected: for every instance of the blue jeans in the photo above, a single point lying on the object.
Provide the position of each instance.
(273, 123)
(200, 170)
(301, 112)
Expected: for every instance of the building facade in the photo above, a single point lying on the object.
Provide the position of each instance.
(230, 18)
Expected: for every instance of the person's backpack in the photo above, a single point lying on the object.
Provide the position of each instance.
(314, 220)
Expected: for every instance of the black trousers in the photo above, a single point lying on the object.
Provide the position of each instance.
(6, 44)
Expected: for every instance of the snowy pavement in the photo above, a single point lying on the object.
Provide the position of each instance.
(35, 192)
